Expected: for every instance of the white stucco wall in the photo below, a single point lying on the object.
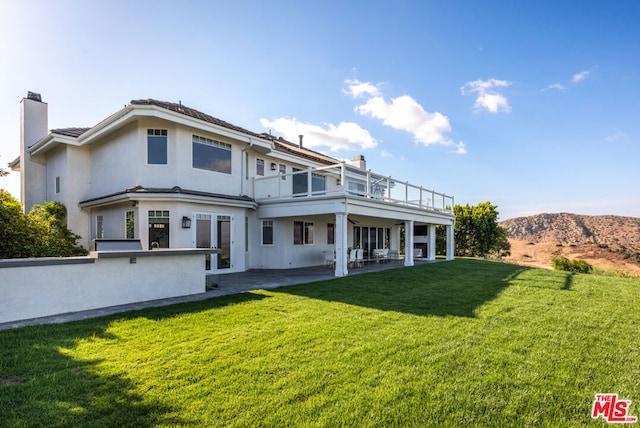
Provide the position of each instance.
(41, 290)
(115, 162)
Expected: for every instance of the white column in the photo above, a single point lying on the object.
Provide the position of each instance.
(408, 243)
(451, 245)
(431, 255)
(341, 245)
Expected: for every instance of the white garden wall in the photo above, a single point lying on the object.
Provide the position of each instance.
(33, 288)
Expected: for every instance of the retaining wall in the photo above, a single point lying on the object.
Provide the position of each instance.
(34, 288)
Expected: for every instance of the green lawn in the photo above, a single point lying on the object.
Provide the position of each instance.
(463, 343)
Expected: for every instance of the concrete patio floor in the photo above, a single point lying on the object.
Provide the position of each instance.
(232, 283)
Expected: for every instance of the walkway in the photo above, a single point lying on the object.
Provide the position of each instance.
(232, 283)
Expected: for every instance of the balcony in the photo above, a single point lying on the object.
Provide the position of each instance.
(345, 180)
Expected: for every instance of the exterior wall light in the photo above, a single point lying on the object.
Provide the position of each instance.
(273, 166)
(186, 222)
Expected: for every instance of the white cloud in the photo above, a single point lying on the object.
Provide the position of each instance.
(385, 154)
(344, 136)
(356, 88)
(402, 113)
(555, 86)
(488, 97)
(492, 102)
(405, 114)
(461, 149)
(580, 76)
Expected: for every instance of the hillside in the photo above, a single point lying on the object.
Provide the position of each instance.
(604, 241)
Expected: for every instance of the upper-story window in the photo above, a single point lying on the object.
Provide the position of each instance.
(282, 171)
(157, 146)
(259, 166)
(211, 155)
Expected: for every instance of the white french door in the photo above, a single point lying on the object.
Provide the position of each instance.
(214, 231)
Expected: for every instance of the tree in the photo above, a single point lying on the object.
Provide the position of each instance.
(49, 221)
(3, 173)
(14, 238)
(477, 232)
(41, 233)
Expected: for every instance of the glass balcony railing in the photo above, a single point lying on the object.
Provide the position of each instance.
(343, 179)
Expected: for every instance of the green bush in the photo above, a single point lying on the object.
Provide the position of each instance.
(577, 265)
(42, 232)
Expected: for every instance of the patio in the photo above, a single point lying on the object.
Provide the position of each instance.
(232, 283)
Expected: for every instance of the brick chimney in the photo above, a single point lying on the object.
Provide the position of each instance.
(34, 125)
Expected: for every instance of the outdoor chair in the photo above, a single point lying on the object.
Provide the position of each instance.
(394, 256)
(359, 257)
(330, 260)
(352, 258)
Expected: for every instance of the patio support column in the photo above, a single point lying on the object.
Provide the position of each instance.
(341, 245)
(432, 243)
(408, 243)
(451, 245)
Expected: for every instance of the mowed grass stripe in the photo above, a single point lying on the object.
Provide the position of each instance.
(463, 343)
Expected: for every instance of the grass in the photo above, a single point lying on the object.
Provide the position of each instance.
(463, 343)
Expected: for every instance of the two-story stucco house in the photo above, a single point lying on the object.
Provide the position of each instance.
(172, 176)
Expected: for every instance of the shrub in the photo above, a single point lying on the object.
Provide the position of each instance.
(40, 233)
(577, 265)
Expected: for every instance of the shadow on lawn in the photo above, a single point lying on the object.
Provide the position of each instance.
(42, 385)
(455, 288)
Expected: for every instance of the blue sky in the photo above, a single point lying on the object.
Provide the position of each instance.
(532, 105)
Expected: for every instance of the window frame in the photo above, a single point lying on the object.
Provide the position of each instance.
(331, 233)
(160, 217)
(303, 232)
(99, 226)
(127, 214)
(155, 138)
(218, 147)
(266, 224)
(259, 167)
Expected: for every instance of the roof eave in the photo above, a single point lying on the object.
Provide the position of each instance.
(257, 143)
(134, 197)
(15, 164)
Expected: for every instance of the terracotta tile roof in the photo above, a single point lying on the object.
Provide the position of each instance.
(70, 132)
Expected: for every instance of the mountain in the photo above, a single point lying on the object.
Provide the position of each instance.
(605, 241)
